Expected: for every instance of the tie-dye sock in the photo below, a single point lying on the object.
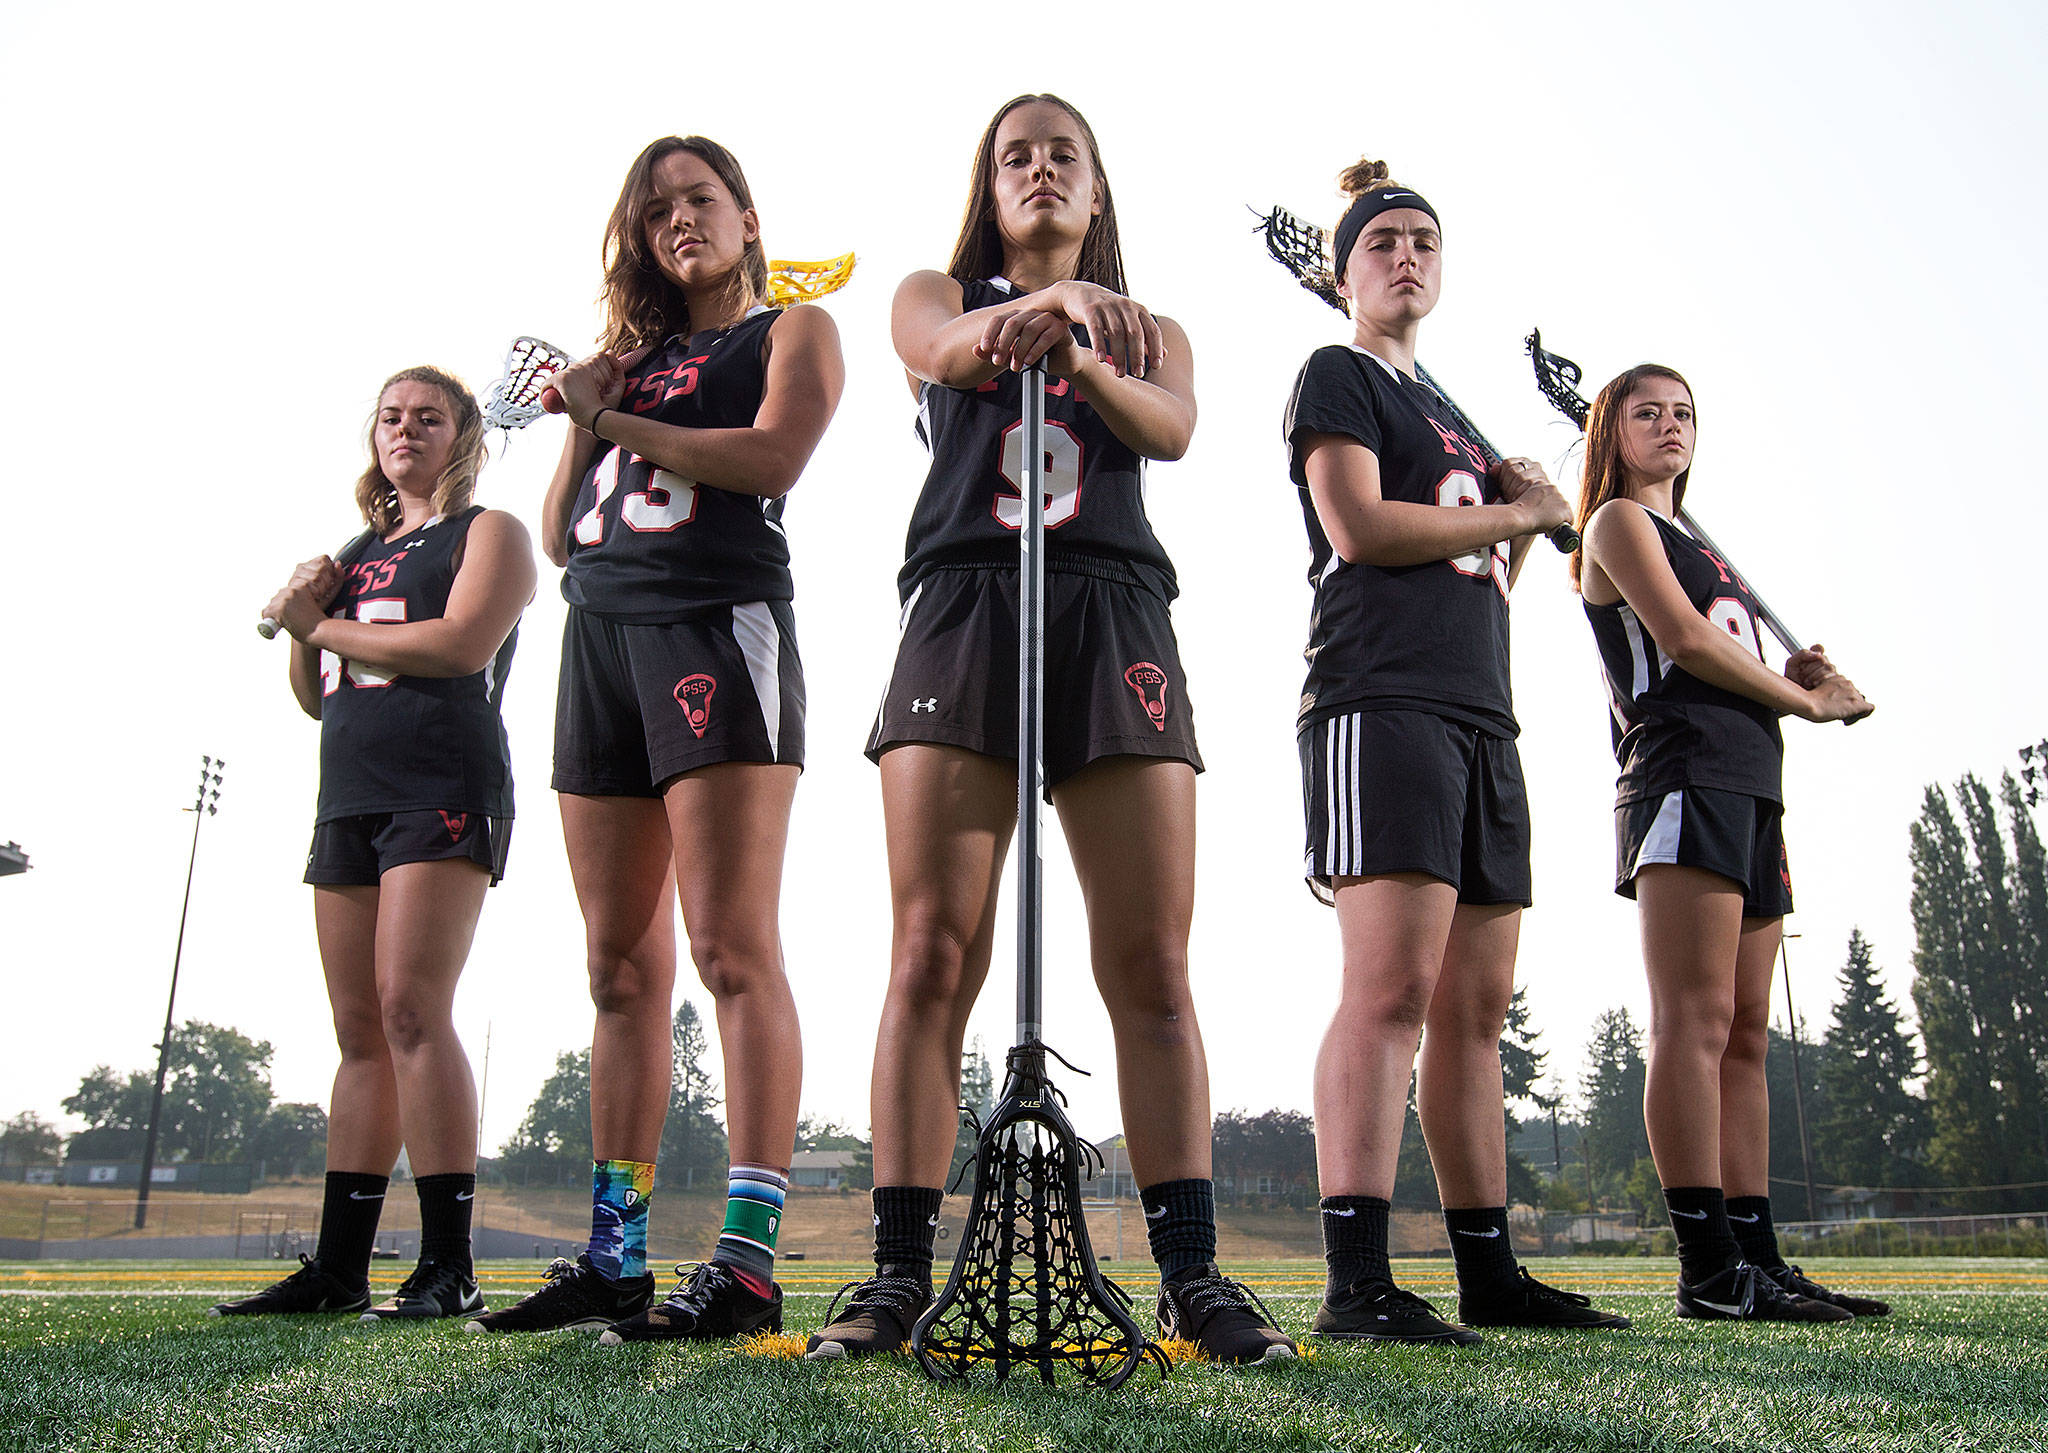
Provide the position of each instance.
(618, 1217)
(753, 1214)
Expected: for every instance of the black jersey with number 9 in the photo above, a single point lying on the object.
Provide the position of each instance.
(647, 545)
(1430, 637)
(972, 503)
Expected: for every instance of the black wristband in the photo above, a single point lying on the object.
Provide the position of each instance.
(591, 428)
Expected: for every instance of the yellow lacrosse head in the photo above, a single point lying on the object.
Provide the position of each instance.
(806, 282)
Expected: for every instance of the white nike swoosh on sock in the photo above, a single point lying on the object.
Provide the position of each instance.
(1155, 1215)
(1332, 1211)
(465, 1195)
(1488, 1234)
(1745, 1220)
(359, 1196)
(1691, 1215)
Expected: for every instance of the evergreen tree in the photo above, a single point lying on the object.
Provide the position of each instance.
(1612, 1091)
(1871, 1131)
(555, 1135)
(978, 1094)
(1980, 915)
(693, 1144)
(1787, 1161)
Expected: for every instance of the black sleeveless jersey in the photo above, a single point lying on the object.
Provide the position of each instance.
(410, 743)
(646, 545)
(1671, 729)
(1430, 637)
(971, 506)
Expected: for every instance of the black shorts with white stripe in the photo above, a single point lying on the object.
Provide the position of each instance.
(356, 852)
(1731, 833)
(1113, 680)
(1399, 791)
(640, 704)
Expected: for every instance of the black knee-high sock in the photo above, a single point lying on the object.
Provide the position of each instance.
(349, 1208)
(1355, 1241)
(1749, 1217)
(1480, 1247)
(907, 1227)
(1180, 1224)
(1699, 1215)
(445, 1202)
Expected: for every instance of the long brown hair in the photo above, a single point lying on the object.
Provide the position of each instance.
(979, 251)
(642, 304)
(375, 495)
(1606, 475)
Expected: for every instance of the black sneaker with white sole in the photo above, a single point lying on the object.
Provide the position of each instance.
(1527, 1302)
(1743, 1293)
(309, 1289)
(573, 1295)
(878, 1317)
(1379, 1311)
(435, 1289)
(1222, 1317)
(710, 1305)
(1792, 1280)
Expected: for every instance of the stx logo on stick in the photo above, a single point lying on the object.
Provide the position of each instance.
(693, 695)
(1150, 683)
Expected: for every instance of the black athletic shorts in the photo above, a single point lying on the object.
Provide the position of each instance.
(358, 851)
(639, 704)
(1413, 792)
(1113, 680)
(1731, 833)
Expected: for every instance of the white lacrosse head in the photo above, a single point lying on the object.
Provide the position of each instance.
(514, 400)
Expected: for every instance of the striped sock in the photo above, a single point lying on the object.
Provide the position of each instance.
(618, 1217)
(753, 1214)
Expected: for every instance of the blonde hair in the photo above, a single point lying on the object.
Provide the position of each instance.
(377, 498)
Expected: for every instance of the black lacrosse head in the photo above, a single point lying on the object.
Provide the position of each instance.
(1557, 376)
(1304, 250)
(1025, 1291)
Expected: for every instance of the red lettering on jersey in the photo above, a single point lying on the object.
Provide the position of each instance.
(1457, 444)
(1728, 576)
(686, 377)
(366, 576)
(1057, 389)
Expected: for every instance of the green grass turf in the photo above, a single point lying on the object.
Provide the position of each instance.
(120, 1356)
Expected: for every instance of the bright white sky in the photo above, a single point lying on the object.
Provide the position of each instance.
(232, 223)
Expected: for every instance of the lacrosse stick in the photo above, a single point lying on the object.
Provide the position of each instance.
(268, 628)
(1557, 377)
(1025, 1291)
(521, 394)
(1304, 249)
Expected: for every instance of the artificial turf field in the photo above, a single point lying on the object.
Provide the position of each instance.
(121, 1356)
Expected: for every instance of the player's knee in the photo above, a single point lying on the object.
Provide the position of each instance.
(930, 965)
(1149, 983)
(1747, 1037)
(410, 1023)
(618, 985)
(1702, 1029)
(359, 1032)
(729, 964)
(1395, 1000)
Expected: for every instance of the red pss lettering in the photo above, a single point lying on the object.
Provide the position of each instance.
(1727, 578)
(1454, 444)
(1058, 388)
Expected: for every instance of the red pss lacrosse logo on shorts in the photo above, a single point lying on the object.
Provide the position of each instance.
(1150, 683)
(1784, 868)
(693, 695)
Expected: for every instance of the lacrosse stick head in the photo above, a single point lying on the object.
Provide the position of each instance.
(514, 401)
(790, 283)
(1557, 377)
(1304, 250)
(1025, 1292)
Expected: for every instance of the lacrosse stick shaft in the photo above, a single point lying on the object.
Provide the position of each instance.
(1031, 714)
(268, 628)
(1564, 536)
(1773, 622)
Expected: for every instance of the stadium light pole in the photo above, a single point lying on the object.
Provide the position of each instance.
(1798, 1088)
(203, 806)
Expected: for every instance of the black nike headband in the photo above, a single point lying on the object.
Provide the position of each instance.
(1367, 209)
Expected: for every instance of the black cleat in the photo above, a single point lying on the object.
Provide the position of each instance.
(309, 1289)
(878, 1317)
(1379, 1311)
(1222, 1317)
(435, 1289)
(1793, 1281)
(1527, 1302)
(1743, 1293)
(710, 1305)
(573, 1295)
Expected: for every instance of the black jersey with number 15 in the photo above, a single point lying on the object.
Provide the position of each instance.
(391, 743)
(971, 506)
(1430, 637)
(1671, 729)
(647, 545)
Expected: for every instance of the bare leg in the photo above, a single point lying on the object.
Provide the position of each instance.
(1692, 927)
(1394, 929)
(619, 858)
(1745, 1094)
(950, 814)
(1130, 824)
(362, 1117)
(1458, 1085)
(730, 825)
(426, 919)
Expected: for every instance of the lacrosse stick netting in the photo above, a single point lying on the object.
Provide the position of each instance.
(513, 401)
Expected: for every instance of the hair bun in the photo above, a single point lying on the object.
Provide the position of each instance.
(1363, 176)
